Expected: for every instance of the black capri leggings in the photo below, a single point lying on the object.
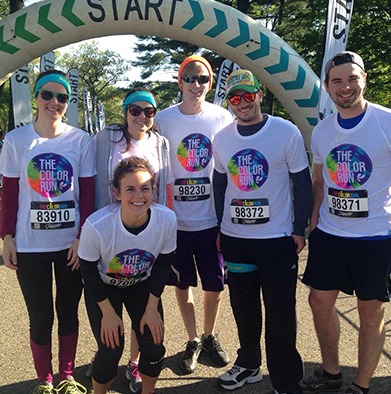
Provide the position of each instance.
(135, 299)
(35, 276)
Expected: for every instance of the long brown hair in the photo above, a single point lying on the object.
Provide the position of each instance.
(124, 126)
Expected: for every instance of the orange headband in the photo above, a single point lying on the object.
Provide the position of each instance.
(195, 58)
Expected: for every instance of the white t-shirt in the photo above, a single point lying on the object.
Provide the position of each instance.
(48, 212)
(357, 174)
(191, 153)
(258, 201)
(148, 149)
(124, 258)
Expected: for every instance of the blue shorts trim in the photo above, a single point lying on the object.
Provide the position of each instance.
(240, 268)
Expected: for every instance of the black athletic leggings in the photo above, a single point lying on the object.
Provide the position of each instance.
(35, 276)
(134, 299)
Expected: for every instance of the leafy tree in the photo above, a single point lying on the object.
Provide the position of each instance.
(99, 72)
(5, 98)
(302, 25)
(4, 9)
(4, 105)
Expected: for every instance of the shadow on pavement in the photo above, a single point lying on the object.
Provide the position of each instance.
(199, 385)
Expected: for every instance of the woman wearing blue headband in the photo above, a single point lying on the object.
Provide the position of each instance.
(48, 172)
(136, 137)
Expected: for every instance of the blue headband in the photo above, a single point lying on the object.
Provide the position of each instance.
(139, 95)
(58, 78)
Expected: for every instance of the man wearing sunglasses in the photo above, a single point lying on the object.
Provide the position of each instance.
(190, 127)
(257, 158)
(350, 241)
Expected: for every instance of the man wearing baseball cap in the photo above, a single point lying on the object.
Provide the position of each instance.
(350, 239)
(261, 233)
(190, 127)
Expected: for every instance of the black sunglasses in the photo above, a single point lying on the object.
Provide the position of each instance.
(135, 110)
(47, 95)
(236, 99)
(202, 79)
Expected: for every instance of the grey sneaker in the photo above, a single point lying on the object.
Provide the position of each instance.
(133, 375)
(218, 355)
(237, 377)
(189, 360)
(319, 382)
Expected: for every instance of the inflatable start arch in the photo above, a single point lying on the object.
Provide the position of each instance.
(50, 24)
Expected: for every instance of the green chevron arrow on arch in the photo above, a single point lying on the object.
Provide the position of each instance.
(243, 37)
(197, 17)
(43, 19)
(298, 83)
(264, 48)
(5, 46)
(281, 66)
(20, 29)
(221, 26)
(67, 13)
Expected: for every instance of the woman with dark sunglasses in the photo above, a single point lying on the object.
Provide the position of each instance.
(48, 191)
(136, 137)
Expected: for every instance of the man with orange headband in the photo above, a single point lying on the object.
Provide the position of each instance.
(190, 127)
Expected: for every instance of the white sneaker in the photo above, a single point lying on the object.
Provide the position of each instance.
(238, 376)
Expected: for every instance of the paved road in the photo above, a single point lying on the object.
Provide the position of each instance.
(17, 374)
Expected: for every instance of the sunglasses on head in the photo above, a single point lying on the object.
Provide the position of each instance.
(47, 95)
(202, 79)
(236, 99)
(135, 110)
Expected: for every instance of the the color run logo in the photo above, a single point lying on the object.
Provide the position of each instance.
(131, 262)
(248, 169)
(50, 175)
(349, 166)
(195, 152)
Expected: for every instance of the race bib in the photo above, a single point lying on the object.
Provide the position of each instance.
(52, 215)
(349, 204)
(254, 211)
(124, 281)
(192, 189)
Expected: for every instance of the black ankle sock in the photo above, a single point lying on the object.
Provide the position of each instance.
(331, 376)
(364, 390)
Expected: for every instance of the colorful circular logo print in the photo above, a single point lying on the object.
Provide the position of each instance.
(348, 166)
(50, 175)
(195, 152)
(131, 263)
(248, 169)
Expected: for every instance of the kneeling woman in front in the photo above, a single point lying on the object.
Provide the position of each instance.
(126, 250)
